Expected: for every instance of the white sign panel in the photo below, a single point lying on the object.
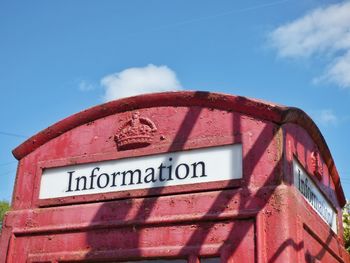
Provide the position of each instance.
(178, 168)
(314, 196)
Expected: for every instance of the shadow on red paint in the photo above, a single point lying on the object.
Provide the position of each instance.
(143, 238)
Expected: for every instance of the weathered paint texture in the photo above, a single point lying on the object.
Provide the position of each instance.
(259, 218)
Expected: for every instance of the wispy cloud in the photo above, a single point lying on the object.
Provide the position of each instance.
(326, 117)
(324, 32)
(84, 85)
(134, 81)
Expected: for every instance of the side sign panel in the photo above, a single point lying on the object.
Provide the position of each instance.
(179, 168)
(313, 196)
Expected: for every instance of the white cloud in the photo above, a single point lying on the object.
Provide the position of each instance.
(326, 117)
(324, 32)
(339, 71)
(85, 85)
(134, 81)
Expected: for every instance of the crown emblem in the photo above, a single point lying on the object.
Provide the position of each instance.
(316, 165)
(136, 132)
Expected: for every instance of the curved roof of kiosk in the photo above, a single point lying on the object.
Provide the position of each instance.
(259, 109)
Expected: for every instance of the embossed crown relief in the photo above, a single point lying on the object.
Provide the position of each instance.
(135, 133)
(316, 164)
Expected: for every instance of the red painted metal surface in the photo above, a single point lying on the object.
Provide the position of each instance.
(259, 218)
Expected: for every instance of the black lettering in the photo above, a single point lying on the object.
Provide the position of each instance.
(114, 177)
(302, 187)
(99, 180)
(161, 167)
(78, 179)
(187, 169)
(92, 177)
(150, 177)
(313, 199)
(132, 176)
(195, 169)
(70, 181)
(307, 189)
(170, 168)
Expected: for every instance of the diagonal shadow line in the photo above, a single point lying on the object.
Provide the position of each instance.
(267, 195)
(287, 243)
(254, 154)
(323, 251)
(252, 157)
(145, 209)
(193, 241)
(261, 192)
(181, 136)
(325, 244)
(178, 143)
(258, 150)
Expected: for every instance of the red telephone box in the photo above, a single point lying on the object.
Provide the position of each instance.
(177, 177)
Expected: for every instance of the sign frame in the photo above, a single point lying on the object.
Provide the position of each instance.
(314, 196)
(175, 189)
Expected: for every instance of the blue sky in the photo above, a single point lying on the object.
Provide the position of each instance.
(60, 57)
